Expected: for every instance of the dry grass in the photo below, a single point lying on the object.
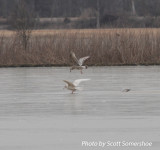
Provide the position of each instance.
(105, 46)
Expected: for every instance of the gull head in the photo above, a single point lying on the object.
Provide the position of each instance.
(86, 67)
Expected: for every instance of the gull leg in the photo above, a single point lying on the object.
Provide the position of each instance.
(81, 72)
(73, 91)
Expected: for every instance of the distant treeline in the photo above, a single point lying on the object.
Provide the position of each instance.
(73, 8)
(108, 10)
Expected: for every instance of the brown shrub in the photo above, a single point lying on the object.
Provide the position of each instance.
(106, 47)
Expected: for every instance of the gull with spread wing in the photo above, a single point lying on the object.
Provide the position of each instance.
(74, 86)
(79, 62)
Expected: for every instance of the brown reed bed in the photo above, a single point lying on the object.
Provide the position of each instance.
(105, 46)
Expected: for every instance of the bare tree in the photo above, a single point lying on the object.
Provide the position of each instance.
(22, 20)
(133, 8)
(98, 14)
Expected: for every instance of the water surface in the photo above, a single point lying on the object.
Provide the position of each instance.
(36, 113)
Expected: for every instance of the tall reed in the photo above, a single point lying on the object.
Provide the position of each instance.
(106, 47)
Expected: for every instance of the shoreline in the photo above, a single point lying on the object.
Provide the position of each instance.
(66, 65)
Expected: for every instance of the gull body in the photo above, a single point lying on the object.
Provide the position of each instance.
(79, 62)
(78, 68)
(73, 86)
(126, 90)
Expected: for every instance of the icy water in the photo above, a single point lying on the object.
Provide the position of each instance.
(36, 113)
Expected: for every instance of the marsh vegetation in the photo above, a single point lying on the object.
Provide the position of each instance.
(105, 46)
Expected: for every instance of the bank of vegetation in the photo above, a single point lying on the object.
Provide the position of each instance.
(105, 46)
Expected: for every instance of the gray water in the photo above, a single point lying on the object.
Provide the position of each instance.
(36, 113)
